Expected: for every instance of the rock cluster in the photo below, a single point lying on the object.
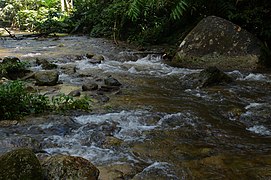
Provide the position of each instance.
(23, 164)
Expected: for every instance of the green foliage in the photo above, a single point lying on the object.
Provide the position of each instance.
(63, 103)
(42, 15)
(15, 102)
(179, 9)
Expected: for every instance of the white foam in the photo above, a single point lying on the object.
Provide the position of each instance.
(132, 123)
(149, 65)
(253, 105)
(131, 126)
(254, 77)
(260, 129)
(31, 55)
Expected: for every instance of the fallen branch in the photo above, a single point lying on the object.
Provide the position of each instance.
(10, 35)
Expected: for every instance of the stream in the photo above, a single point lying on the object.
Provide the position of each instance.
(157, 126)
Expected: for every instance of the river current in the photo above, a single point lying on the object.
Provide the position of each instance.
(158, 124)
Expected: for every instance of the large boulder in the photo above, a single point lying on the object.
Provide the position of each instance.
(20, 164)
(69, 167)
(46, 78)
(218, 42)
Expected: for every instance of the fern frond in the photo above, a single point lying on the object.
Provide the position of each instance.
(179, 9)
(135, 9)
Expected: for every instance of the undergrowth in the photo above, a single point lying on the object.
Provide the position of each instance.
(16, 102)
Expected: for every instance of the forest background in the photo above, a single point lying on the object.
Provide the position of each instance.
(143, 22)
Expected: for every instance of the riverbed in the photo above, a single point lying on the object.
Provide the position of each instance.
(157, 126)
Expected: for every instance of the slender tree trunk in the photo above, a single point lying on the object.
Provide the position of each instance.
(63, 5)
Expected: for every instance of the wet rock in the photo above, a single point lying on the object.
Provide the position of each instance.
(12, 68)
(69, 69)
(46, 78)
(9, 143)
(112, 141)
(95, 61)
(90, 55)
(45, 64)
(213, 76)
(103, 98)
(69, 167)
(119, 171)
(104, 88)
(90, 86)
(218, 42)
(75, 93)
(11, 59)
(7, 123)
(110, 81)
(20, 164)
(98, 58)
(158, 170)
(28, 76)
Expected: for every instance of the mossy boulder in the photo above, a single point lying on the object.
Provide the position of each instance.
(46, 78)
(12, 68)
(218, 42)
(69, 167)
(20, 164)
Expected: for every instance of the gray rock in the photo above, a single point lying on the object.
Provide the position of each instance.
(75, 93)
(69, 69)
(46, 78)
(90, 87)
(20, 164)
(46, 64)
(10, 143)
(69, 167)
(104, 88)
(213, 76)
(90, 55)
(110, 81)
(98, 57)
(218, 42)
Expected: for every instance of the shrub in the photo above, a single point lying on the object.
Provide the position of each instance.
(15, 102)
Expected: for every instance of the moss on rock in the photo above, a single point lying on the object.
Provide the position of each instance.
(69, 167)
(218, 42)
(20, 164)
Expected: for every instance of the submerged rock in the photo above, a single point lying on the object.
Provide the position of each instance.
(158, 170)
(69, 167)
(20, 164)
(218, 42)
(10, 143)
(46, 78)
(213, 76)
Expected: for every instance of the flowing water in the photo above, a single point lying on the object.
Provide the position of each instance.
(158, 125)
